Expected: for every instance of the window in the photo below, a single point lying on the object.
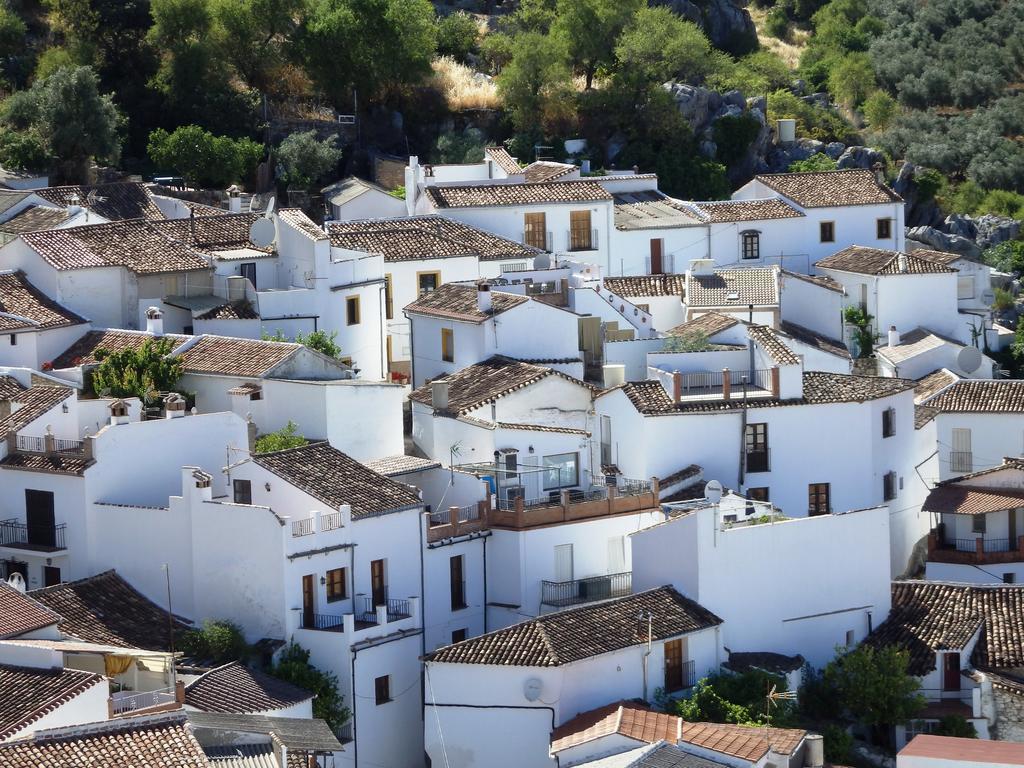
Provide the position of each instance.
(579, 231)
(427, 282)
(248, 271)
(757, 494)
(889, 486)
(382, 689)
(674, 666)
(389, 297)
(883, 229)
(750, 242)
(561, 471)
(828, 231)
(511, 463)
(657, 266)
(243, 491)
(849, 638)
(965, 287)
(535, 230)
(1009, 578)
(14, 339)
(563, 563)
(458, 583)
(978, 523)
(448, 345)
(458, 635)
(256, 394)
(888, 422)
(961, 457)
(352, 310)
(606, 440)
(617, 554)
(757, 447)
(337, 588)
(818, 501)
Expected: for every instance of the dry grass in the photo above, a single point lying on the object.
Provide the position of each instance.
(789, 51)
(463, 89)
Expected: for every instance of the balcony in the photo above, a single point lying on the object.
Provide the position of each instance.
(581, 240)
(456, 521)
(977, 551)
(366, 613)
(961, 461)
(681, 678)
(34, 538)
(132, 702)
(575, 504)
(561, 594)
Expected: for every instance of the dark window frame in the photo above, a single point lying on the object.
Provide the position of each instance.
(382, 689)
(336, 584)
(750, 245)
(827, 231)
(816, 494)
(241, 491)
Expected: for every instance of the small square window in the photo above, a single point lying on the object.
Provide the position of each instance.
(382, 689)
(458, 635)
(1009, 578)
(242, 491)
(883, 229)
(849, 638)
(337, 588)
(978, 524)
(14, 339)
(352, 310)
(828, 231)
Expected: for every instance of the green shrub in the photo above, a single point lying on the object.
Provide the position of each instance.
(690, 341)
(956, 725)
(219, 641)
(776, 23)
(464, 147)
(733, 136)
(281, 440)
(203, 159)
(1006, 257)
(816, 162)
(879, 108)
(457, 35)
(1002, 202)
(1003, 299)
(143, 373)
(320, 341)
(838, 744)
(294, 667)
(23, 151)
(306, 159)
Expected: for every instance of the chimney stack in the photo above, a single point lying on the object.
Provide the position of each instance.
(901, 262)
(439, 394)
(174, 406)
(234, 199)
(483, 298)
(879, 170)
(894, 336)
(155, 321)
(118, 412)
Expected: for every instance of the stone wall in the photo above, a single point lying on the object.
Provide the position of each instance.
(1009, 724)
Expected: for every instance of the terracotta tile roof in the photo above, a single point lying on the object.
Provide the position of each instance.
(83, 351)
(487, 195)
(106, 609)
(35, 402)
(691, 470)
(939, 257)
(772, 345)
(776, 663)
(971, 499)
(11, 197)
(545, 170)
(10, 388)
(213, 233)
(503, 160)
(153, 741)
(727, 211)
(814, 339)
(823, 281)
(580, 633)
(827, 189)
(20, 298)
(744, 741)
(670, 756)
(246, 388)
(139, 246)
(235, 688)
(734, 288)
(114, 202)
(650, 209)
(424, 237)
(542, 428)
(914, 343)
(626, 718)
(19, 613)
(459, 302)
(336, 478)
(35, 218)
(936, 381)
(244, 756)
(234, 310)
(923, 414)
(982, 396)
(229, 356)
(30, 693)
(646, 285)
(482, 383)
(391, 466)
(821, 387)
(298, 219)
(37, 462)
(930, 616)
(707, 324)
(879, 261)
(949, 749)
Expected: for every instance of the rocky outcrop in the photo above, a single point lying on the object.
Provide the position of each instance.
(918, 210)
(942, 241)
(992, 230)
(860, 157)
(726, 24)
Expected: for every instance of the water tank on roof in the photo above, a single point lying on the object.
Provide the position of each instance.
(785, 130)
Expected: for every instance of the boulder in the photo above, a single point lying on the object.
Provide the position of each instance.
(758, 103)
(819, 99)
(734, 98)
(697, 105)
(860, 157)
(993, 230)
(960, 225)
(799, 87)
(835, 149)
(726, 24)
(941, 241)
(812, 146)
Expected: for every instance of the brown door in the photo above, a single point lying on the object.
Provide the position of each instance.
(39, 518)
(657, 267)
(951, 672)
(51, 576)
(378, 587)
(307, 601)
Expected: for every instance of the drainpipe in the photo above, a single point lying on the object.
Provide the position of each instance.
(647, 653)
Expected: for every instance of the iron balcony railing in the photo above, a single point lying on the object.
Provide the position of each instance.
(444, 516)
(304, 527)
(758, 460)
(30, 444)
(681, 678)
(42, 537)
(564, 593)
(989, 545)
(321, 621)
(961, 461)
(397, 609)
(130, 702)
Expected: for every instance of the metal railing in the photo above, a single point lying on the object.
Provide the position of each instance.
(581, 242)
(330, 522)
(136, 701)
(397, 609)
(627, 487)
(304, 527)
(469, 513)
(321, 621)
(760, 378)
(961, 461)
(46, 537)
(687, 677)
(758, 461)
(31, 444)
(440, 517)
(577, 591)
(61, 445)
(988, 545)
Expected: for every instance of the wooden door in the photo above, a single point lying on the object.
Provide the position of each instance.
(39, 518)
(657, 259)
(308, 602)
(951, 672)
(378, 586)
(51, 576)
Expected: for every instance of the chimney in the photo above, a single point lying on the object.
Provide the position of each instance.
(203, 482)
(174, 406)
(439, 394)
(901, 261)
(155, 321)
(677, 386)
(614, 375)
(702, 266)
(118, 412)
(879, 170)
(483, 298)
(234, 199)
(894, 336)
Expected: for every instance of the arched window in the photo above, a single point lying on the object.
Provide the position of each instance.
(750, 244)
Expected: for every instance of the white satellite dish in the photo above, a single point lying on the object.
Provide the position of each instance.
(262, 232)
(17, 581)
(968, 359)
(713, 491)
(532, 688)
(542, 261)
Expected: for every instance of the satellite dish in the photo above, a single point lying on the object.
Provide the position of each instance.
(542, 261)
(968, 359)
(532, 688)
(262, 232)
(713, 491)
(17, 581)
(988, 297)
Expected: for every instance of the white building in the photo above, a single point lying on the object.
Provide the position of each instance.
(35, 329)
(929, 751)
(353, 198)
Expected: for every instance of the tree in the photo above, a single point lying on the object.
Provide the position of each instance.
(534, 85)
(689, 341)
(281, 440)
(736, 698)
(588, 30)
(23, 151)
(863, 332)
(73, 120)
(203, 159)
(879, 108)
(852, 79)
(12, 31)
(370, 46)
(657, 45)
(875, 687)
(306, 160)
(321, 341)
(816, 162)
(254, 36)
(457, 35)
(465, 147)
(144, 372)
(219, 641)
(329, 704)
